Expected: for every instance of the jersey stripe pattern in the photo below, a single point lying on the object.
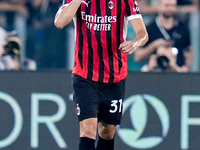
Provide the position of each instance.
(100, 29)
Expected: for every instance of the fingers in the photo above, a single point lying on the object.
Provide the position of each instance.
(123, 45)
(152, 62)
(129, 51)
(128, 47)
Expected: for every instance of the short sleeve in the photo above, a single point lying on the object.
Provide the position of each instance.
(132, 9)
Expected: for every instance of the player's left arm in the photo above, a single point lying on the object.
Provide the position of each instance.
(128, 47)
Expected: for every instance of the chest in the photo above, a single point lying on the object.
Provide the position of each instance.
(102, 7)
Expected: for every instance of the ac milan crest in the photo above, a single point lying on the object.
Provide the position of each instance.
(111, 5)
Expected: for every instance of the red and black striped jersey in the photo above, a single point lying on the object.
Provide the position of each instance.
(101, 26)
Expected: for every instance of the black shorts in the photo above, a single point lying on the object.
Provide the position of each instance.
(98, 100)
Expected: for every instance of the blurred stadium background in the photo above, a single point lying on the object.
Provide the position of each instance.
(161, 111)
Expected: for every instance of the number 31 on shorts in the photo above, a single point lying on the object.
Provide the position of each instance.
(116, 105)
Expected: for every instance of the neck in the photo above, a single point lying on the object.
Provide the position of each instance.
(167, 23)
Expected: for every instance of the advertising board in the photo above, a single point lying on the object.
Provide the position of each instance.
(161, 111)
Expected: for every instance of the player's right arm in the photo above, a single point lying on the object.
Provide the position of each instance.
(66, 13)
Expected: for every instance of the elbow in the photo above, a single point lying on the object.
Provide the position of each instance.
(146, 38)
(58, 24)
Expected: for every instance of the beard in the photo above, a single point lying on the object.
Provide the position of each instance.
(168, 15)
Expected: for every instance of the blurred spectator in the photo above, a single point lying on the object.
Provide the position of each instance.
(183, 6)
(163, 61)
(147, 7)
(16, 13)
(165, 30)
(10, 58)
(148, 10)
(16, 6)
(186, 8)
(2, 35)
(50, 42)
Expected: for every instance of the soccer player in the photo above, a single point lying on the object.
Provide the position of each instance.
(100, 63)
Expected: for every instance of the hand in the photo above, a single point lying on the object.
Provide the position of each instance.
(184, 68)
(128, 47)
(172, 61)
(14, 64)
(152, 62)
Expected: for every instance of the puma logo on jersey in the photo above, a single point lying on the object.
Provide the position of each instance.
(86, 3)
(136, 9)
